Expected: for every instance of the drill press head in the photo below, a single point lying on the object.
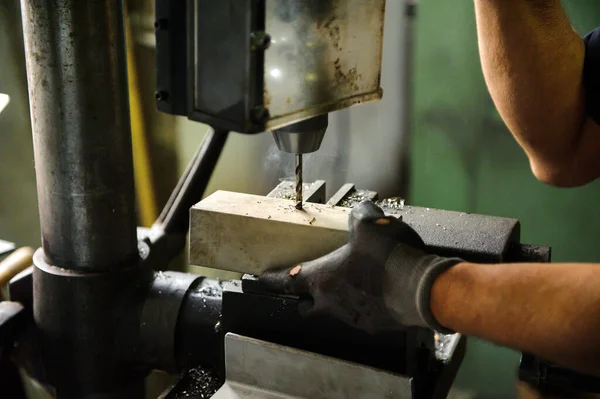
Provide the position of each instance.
(302, 137)
(286, 61)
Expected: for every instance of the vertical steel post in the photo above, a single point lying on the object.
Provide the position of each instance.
(87, 282)
(77, 75)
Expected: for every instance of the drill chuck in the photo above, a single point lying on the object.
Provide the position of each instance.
(302, 137)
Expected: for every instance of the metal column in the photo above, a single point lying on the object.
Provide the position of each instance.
(76, 70)
(88, 283)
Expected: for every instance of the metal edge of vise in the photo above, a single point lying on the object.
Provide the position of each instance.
(242, 315)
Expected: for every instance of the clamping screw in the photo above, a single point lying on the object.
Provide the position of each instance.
(259, 40)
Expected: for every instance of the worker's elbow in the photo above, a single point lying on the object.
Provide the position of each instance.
(549, 174)
(561, 174)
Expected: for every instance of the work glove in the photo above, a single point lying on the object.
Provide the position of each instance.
(379, 281)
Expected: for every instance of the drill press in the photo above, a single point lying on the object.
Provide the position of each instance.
(289, 64)
(102, 317)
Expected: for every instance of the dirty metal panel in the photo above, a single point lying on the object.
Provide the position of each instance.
(257, 370)
(323, 56)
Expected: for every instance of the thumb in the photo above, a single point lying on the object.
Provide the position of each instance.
(289, 281)
(303, 278)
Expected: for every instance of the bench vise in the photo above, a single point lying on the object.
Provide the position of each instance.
(270, 346)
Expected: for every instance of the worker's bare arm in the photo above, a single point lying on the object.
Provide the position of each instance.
(550, 310)
(533, 64)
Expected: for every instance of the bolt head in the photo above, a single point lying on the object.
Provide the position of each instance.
(260, 41)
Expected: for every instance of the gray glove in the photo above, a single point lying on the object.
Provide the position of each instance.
(380, 281)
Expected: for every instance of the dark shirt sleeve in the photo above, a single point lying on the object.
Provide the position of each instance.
(591, 74)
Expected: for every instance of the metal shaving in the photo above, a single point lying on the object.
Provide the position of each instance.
(210, 290)
(391, 203)
(442, 346)
(287, 190)
(356, 197)
(197, 384)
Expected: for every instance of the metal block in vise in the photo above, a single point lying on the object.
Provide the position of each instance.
(251, 234)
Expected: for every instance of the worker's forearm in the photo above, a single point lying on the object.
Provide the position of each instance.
(533, 62)
(550, 310)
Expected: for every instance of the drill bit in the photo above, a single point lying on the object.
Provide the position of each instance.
(299, 181)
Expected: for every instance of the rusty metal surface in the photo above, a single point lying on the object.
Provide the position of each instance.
(323, 56)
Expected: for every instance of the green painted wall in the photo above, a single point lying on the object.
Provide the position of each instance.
(463, 158)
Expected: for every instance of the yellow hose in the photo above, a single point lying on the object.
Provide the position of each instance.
(144, 187)
(15, 263)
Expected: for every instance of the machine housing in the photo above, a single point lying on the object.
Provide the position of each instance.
(255, 65)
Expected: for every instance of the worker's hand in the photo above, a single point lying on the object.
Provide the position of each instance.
(380, 281)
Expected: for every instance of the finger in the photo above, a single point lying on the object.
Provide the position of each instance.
(292, 281)
(366, 210)
(367, 218)
(364, 213)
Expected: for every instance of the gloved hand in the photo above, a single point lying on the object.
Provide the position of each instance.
(380, 281)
